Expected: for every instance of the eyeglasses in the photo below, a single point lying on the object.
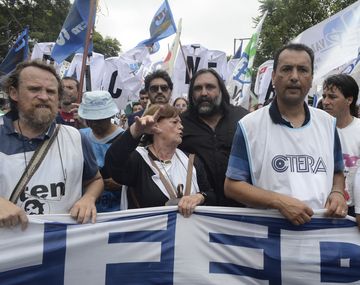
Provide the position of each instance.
(208, 87)
(155, 88)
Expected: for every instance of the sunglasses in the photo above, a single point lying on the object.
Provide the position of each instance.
(155, 88)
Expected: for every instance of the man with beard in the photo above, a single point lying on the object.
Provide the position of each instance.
(97, 108)
(68, 108)
(209, 127)
(158, 86)
(67, 180)
(287, 156)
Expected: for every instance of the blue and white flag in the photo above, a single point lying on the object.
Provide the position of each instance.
(17, 54)
(215, 245)
(73, 33)
(240, 81)
(335, 41)
(162, 26)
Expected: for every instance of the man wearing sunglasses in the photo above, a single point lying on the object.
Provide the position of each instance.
(158, 86)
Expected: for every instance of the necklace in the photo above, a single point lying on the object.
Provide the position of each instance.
(177, 190)
(163, 163)
(25, 159)
(23, 143)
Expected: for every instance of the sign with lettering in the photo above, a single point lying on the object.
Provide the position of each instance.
(158, 246)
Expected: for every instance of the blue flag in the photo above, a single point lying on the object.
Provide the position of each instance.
(17, 53)
(73, 33)
(162, 26)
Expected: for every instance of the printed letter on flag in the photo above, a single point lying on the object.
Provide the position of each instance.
(334, 41)
(73, 33)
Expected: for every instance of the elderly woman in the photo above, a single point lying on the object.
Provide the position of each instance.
(158, 173)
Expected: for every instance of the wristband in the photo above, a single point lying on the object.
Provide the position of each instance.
(339, 192)
(204, 195)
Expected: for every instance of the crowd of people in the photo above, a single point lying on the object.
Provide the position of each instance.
(59, 155)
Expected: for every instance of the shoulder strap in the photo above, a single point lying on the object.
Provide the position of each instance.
(33, 165)
(189, 174)
(165, 182)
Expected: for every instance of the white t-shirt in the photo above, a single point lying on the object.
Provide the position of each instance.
(350, 145)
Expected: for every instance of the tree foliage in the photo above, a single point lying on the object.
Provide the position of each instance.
(108, 46)
(45, 19)
(288, 18)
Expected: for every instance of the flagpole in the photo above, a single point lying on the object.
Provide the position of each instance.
(86, 47)
(183, 55)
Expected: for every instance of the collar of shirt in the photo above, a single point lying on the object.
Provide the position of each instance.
(277, 118)
(9, 118)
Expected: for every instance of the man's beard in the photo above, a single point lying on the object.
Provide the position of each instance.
(207, 106)
(39, 119)
(68, 100)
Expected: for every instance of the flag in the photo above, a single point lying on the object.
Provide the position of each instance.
(240, 82)
(17, 53)
(196, 57)
(334, 41)
(162, 26)
(72, 36)
(263, 80)
(239, 50)
(168, 63)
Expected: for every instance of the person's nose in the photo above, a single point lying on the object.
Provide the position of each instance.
(204, 91)
(325, 101)
(43, 95)
(294, 75)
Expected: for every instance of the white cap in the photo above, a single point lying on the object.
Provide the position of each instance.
(97, 105)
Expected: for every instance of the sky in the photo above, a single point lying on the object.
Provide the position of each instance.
(212, 23)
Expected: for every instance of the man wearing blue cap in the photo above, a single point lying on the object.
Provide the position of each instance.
(97, 108)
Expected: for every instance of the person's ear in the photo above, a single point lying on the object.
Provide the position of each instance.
(13, 93)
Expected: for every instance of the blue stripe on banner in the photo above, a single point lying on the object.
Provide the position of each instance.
(280, 223)
(340, 262)
(145, 272)
(271, 248)
(52, 268)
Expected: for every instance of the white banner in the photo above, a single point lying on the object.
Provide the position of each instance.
(159, 246)
(263, 80)
(124, 75)
(197, 57)
(334, 41)
(97, 65)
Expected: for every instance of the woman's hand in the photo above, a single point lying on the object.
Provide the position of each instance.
(145, 125)
(187, 204)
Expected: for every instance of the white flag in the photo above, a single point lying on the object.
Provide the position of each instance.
(169, 61)
(334, 41)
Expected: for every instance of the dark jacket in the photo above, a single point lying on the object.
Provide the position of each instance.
(213, 147)
(127, 167)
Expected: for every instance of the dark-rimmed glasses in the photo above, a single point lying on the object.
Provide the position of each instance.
(155, 88)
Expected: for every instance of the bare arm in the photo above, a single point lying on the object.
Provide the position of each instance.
(336, 205)
(111, 185)
(296, 211)
(84, 209)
